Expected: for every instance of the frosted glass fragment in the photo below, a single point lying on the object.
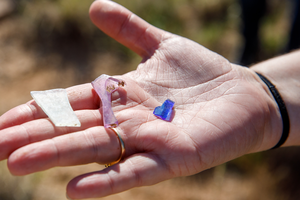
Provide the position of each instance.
(105, 85)
(165, 110)
(56, 105)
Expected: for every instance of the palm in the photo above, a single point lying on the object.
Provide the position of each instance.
(210, 125)
(198, 81)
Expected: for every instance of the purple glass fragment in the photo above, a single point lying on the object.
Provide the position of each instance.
(165, 110)
(105, 85)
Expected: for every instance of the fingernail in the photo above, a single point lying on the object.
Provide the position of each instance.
(68, 197)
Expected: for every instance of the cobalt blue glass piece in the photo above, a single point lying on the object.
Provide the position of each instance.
(165, 110)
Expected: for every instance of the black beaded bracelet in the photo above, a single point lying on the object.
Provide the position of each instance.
(282, 109)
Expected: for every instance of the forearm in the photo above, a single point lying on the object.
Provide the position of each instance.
(284, 73)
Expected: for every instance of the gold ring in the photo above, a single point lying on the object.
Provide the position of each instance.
(122, 148)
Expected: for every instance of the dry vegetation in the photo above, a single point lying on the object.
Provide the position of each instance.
(52, 44)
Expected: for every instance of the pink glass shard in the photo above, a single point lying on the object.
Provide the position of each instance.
(105, 85)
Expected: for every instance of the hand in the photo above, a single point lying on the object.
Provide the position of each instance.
(222, 111)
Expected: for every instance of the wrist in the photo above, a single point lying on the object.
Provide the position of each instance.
(271, 127)
(284, 73)
(282, 108)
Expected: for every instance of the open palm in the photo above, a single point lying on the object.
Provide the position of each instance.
(221, 112)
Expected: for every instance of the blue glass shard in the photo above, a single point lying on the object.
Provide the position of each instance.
(165, 110)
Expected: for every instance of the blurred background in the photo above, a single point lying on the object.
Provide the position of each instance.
(46, 44)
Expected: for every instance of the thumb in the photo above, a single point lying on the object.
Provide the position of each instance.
(125, 27)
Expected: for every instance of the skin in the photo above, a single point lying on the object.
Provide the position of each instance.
(222, 111)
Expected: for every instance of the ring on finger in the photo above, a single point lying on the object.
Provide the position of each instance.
(122, 148)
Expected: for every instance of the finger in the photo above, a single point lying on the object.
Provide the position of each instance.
(96, 144)
(33, 131)
(80, 97)
(125, 27)
(138, 170)
(83, 97)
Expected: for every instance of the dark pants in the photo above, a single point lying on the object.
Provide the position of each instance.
(252, 13)
(294, 40)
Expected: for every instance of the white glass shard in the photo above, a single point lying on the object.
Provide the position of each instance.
(56, 105)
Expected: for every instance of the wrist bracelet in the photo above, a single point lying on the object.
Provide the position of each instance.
(282, 109)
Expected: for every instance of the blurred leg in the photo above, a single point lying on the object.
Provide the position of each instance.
(252, 13)
(294, 40)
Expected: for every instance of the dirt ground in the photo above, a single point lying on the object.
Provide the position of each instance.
(56, 62)
(220, 183)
